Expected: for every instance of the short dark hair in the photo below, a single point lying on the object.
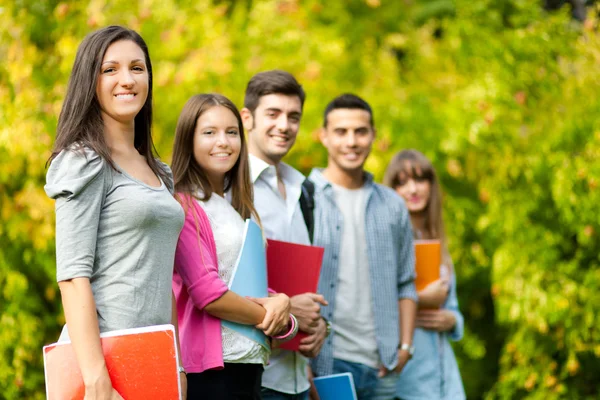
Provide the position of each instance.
(272, 82)
(349, 101)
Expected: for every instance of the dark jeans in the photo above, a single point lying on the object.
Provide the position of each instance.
(269, 394)
(234, 382)
(365, 378)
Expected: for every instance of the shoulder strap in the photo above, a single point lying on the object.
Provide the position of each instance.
(307, 205)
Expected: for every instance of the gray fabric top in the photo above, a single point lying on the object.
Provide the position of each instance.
(353, 318)
(120, 233)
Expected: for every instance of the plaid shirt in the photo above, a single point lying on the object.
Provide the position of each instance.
(391, 262)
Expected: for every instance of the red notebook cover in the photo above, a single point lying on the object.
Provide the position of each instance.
(141, 362)
(293, 269)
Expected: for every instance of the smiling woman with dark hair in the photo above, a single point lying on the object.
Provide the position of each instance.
(117, 222)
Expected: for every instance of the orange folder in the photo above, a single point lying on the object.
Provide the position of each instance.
(141, 362)
(293, 269)
(428, 260)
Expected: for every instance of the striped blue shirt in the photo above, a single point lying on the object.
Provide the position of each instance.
(391, 262)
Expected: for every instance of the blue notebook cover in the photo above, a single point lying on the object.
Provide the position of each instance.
(336, 387)
(249, 278)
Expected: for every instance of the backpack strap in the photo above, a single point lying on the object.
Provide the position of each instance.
(307, 205)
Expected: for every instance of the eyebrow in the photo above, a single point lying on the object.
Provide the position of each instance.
(116, 62)
(280, 110)
(214, 127)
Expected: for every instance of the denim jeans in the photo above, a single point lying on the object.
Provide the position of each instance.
(386, 387)
(269, 394)
(365, 378)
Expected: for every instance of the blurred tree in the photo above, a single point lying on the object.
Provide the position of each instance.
(500, 95)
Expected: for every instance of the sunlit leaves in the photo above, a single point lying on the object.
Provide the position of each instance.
(499, 94)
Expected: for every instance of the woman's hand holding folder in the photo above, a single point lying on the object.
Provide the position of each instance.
(277, 316)
(434, 295)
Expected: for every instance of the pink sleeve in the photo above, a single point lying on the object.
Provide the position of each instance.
(195, 258)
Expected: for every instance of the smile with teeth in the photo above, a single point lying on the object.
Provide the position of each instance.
(125, 96)
(279, 139)
(221, 154)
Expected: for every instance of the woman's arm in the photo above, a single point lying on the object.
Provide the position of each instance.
(457, 330)
(196, 263)
(76, 181)
(175, 323)
(447, 319)
(235, 308)
(82, 322)
(434, 295)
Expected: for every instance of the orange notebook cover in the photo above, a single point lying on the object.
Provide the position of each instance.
(428, 260)
(293, 269)
(141, 362)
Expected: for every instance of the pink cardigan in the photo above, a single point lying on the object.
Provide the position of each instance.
(196, 283)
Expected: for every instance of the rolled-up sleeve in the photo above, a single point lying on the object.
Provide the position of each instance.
(76, 180)
(193, 260)
(452, 305)
(406, 257)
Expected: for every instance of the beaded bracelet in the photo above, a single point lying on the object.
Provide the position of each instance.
(291, 333)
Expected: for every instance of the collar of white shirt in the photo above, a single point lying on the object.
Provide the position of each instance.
(290, 177)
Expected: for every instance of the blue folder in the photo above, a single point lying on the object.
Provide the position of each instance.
(336, 387)
(249, 278)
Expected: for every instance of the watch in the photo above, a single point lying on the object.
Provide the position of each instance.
(328, 326)
(409, 348)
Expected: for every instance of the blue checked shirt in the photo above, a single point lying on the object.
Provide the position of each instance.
(391, 262)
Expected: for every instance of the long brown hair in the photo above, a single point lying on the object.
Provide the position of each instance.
(190, 177)
(413, 164)
(80, 121)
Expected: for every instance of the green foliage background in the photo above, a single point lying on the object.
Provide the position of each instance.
(501, 95)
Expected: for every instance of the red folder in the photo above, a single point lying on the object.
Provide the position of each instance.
(293, 269)
(141, 362)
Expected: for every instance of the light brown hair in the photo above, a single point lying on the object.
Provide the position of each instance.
(413, 164)
(190, 177)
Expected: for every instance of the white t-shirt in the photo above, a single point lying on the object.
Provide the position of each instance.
(353, 317)
(228, 230)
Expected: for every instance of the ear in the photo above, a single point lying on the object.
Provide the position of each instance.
(247, 119)
(323, 136)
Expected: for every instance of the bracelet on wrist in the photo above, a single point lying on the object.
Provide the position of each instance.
(291, 333)
(180, 369)
(408, 348)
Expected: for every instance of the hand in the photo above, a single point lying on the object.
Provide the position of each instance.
(183, 385)
(434, 295)
(307, 311)
(435, 320)
(403, 357)
(312, 394)
(278, 313)
(112, 395)
(101, 389)
(311, 345)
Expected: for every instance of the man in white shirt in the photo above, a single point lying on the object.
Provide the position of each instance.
(271, 114)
